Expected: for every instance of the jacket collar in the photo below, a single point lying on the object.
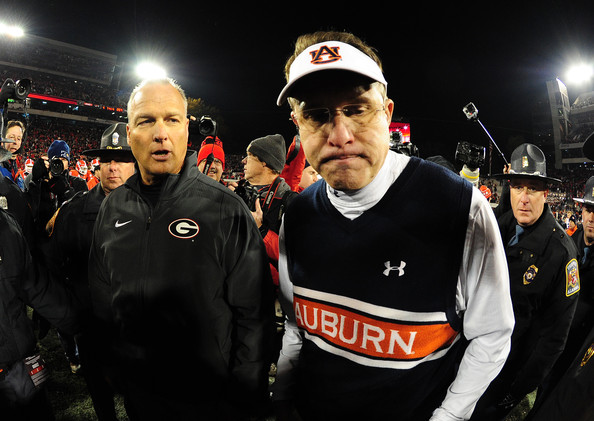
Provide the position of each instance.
(172, 182)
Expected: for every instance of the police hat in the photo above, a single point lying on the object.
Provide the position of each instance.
(114, 141)
(588, 198)
(528, 161)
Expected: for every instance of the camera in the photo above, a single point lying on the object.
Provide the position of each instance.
(56, 166)
(248, 193)
(18, 90)
(207, 127)
(471, 155)
(400, 146)
(471, 111)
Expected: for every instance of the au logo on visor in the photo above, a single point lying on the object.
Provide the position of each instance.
(325, 55)
(184, 228)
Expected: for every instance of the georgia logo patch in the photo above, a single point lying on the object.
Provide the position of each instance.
(572, 278)
(184, 228)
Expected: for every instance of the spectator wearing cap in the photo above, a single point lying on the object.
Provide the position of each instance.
(211, 158)
(544, 284)
(263, 164)
(50, 184)
(572, 225)
(70, 239)
(568, 385)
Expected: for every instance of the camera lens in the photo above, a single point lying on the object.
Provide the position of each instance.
(56, 166)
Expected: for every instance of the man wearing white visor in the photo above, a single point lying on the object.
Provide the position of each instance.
(393, 274)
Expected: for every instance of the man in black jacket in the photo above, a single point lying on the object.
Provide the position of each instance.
(544, 284)
(179, 277)
(23, 282)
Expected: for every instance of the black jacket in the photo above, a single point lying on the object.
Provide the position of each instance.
(47, 195)
(71, 231)
(23, 283)
(183, 288)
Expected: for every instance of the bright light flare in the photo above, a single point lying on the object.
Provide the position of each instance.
(11, 30)
(580, 73)
(148, 70)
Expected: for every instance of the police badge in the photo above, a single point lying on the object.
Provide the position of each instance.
(3, 202)
(530, 274)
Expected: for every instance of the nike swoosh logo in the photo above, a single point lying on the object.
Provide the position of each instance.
(121, 224)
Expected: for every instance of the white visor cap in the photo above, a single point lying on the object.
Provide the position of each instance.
(330, 55)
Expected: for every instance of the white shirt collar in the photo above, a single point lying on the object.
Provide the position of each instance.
(351, 204)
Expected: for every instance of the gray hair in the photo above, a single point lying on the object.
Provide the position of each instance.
(158, 81)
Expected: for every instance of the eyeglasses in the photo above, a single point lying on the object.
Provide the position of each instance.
(315, 118)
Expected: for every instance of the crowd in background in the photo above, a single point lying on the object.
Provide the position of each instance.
(80, 137)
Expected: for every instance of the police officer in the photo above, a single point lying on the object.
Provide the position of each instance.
(582, 320)
(544, 284)
(70, 233)
(570, 387)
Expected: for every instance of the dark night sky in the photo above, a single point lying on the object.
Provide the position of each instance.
(436, 59)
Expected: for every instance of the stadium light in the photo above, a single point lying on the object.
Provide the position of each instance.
(148, 70)
(580, 73)
(11, 30)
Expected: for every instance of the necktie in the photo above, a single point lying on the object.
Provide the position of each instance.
(515, 238)
(586, 251)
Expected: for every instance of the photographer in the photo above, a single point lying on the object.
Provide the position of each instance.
(262, 167)
(51, 185)
(267, 195)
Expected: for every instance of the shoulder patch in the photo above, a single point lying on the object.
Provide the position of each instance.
(587, 355)
(572, 278)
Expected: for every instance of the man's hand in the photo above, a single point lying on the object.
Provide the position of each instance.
(232, 185)
(258, 214)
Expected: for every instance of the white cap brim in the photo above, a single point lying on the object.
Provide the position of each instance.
(330, 55)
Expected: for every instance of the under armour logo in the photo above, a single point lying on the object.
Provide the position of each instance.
(390, 268)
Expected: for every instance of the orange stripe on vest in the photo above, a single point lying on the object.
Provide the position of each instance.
(371, 337)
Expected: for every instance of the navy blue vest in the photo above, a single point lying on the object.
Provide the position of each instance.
(375, 296)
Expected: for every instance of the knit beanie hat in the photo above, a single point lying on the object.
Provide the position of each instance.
(59, 149)
(270, 149)
(216, 150)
